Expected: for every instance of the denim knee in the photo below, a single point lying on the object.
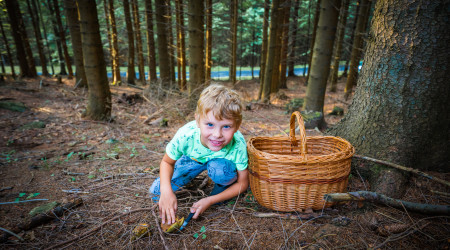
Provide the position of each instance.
(222, 171)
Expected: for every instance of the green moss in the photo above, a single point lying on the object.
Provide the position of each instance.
(294, 105)
(13, 106)
(308, 116)
(31, 125)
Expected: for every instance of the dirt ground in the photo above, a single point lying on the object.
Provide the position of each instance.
(110, 166)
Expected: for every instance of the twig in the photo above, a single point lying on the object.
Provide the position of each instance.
(285, 216)
(5, 188)
(84, 235)
(243, 236)
(71, 173)
(75, 191)
(15, 235)
(434, 192)
(383, 199)
(159, 229)
(412, 170)
(14, 202)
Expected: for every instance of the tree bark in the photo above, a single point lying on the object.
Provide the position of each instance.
(37, 34)
(233, 24)
(117, 79)
(41, 20)
(363, 15)
(196, 47)
(313, 40)
(338, 45)
(137, 32)
(108, 34)
(150, 42)
(323, 47)
(163, 52)
(400, 110)
(170, 46)
(62, 64)
(284, 45)
(131, 73)
(99, 97)
(26, 63)
(265, 95)
(182, 44)
(8, 51)
(275, 85)
(62, 35)
(264, 47)
(208, 58)
(75, 34)
(291, 55)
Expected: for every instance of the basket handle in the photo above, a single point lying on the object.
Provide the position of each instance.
(301, 126)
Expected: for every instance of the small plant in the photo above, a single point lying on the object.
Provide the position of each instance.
(69, 156)
(294, 105)
(202, 230)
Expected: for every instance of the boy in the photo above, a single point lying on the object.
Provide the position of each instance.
(212, 142)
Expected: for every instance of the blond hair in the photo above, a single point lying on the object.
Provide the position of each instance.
(222, 101)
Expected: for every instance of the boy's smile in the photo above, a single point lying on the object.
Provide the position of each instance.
(215, 134)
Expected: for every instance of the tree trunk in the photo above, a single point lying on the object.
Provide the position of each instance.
(400, 110)
(265, 95)
(163, 52)
(233, 24)
(338, 47)
(117, 79)
(38, 7)
(137, 32)
(291, 54)
(37, 34)
(99, 97)
(196, 41)
(313, 40)
(208, 58)
(182, 49)
(170, 46)
(323, 47)
(150, 42)
(284, 45)
(20, 39)
(108, 34)
(131, 73)
(275, 85)
(62, 35)
(62, 64)
(74, 29)
(363, 15)
(264, 47)
(8, 51)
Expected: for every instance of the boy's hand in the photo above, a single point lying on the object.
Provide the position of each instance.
(168, 208)
(200, 206)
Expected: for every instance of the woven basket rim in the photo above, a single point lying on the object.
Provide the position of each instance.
(348, 151)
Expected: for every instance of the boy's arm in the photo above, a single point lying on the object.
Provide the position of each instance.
(167, 200)
(237, 188)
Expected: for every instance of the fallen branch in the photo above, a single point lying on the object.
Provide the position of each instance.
(285, 216)
(14, 202)
(42, 218)
(412, 170)
(84, 235)
(159, 229)
(383, 199)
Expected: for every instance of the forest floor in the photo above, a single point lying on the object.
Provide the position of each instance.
(110, 166)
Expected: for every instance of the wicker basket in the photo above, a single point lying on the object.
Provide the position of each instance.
(291, 174)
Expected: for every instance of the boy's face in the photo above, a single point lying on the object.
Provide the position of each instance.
(215, 134)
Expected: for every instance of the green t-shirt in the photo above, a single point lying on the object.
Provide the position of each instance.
(187, 142)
